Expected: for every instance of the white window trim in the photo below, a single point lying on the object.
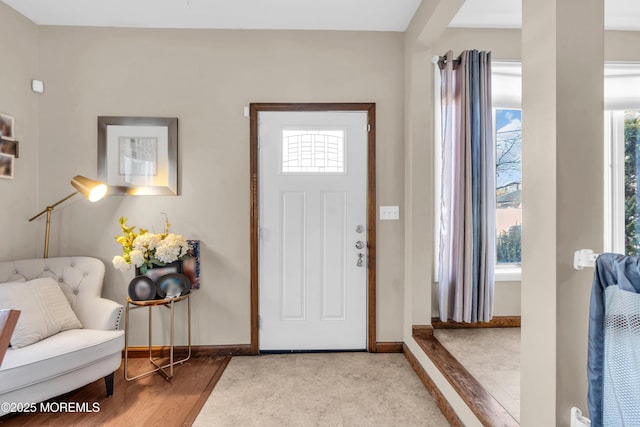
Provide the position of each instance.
(503, 272)
(622, 93)
(614, 181)
(437, 168)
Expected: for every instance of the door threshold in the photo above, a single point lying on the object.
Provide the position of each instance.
(311, 351)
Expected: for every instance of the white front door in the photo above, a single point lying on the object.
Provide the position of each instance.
(312, 214)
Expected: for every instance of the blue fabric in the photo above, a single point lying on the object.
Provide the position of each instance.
(611, 269)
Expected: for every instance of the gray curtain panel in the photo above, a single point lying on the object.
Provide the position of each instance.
(468, 194)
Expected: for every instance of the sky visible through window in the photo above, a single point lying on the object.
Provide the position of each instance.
(508, 128)
(508, 146)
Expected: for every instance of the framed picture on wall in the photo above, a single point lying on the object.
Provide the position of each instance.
(139, 155)
(8, 146)
(6, 166)
(7, 127)
(191, 264)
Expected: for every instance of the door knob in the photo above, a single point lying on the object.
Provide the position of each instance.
(360, 229)
(359, 244)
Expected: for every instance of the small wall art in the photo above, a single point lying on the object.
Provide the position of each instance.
(6, 166)
(7, 127)
(191, 264)
(11, 147)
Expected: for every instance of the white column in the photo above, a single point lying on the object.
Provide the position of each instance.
(429, 22)
(562, 93)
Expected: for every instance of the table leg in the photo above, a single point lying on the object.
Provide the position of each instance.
(126, 342)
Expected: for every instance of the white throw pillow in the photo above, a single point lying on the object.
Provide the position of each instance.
(45, 310)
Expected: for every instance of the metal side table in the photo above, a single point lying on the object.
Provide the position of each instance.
(165, 370)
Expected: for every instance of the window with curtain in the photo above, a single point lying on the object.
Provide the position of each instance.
(622, 156)
(622, 162)
(506, 91)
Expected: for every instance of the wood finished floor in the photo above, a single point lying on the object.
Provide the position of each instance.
(150, 401)
(492, 356)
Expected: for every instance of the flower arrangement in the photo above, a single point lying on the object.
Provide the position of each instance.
(145, 250)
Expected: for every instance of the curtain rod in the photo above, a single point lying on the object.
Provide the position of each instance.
(442, 60)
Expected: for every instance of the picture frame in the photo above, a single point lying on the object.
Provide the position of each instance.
(139, 155)
(7, 166)
(157, 272)
(191, 264)
(7, 127)
(8, 146)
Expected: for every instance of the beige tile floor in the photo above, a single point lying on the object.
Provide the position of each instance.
(323, 389)
(492, 356)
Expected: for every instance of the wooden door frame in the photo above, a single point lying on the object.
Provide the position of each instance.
(370, 109)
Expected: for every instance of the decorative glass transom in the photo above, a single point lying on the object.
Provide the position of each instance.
(313, 151)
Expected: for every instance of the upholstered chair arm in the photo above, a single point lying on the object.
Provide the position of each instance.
(99, 313)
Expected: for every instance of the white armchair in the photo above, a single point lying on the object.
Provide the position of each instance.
(73, 358)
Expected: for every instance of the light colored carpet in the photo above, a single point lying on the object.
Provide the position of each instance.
(323, 389)
(492, 356)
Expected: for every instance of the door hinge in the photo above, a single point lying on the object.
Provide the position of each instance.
(260, 233)
(260, 322)
(368, 127)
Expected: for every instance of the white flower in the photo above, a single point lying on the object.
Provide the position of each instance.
(171, 248)
(137, 257)
(120, 263)
(179, 240)
(146, 242)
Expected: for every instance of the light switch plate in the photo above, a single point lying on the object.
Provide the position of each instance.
(389, 213)
(37, 86)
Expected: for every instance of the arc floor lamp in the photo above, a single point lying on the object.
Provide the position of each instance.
(90, 189)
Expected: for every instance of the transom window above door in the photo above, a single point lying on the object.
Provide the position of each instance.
(308, 151)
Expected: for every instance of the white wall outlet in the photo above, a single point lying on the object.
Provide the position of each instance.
(389, 213)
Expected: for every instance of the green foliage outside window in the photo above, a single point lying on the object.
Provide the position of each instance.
(631, 158)
(508, 245)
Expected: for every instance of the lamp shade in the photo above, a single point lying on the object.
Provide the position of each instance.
(90, 189)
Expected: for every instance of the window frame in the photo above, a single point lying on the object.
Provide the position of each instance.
(281, 150)
(622, 93)
(614, 220)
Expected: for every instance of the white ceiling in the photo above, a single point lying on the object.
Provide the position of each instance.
(354, 15)
(351, 15)
(619, 14)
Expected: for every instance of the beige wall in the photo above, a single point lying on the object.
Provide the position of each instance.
(205, 78)
(18, 197)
